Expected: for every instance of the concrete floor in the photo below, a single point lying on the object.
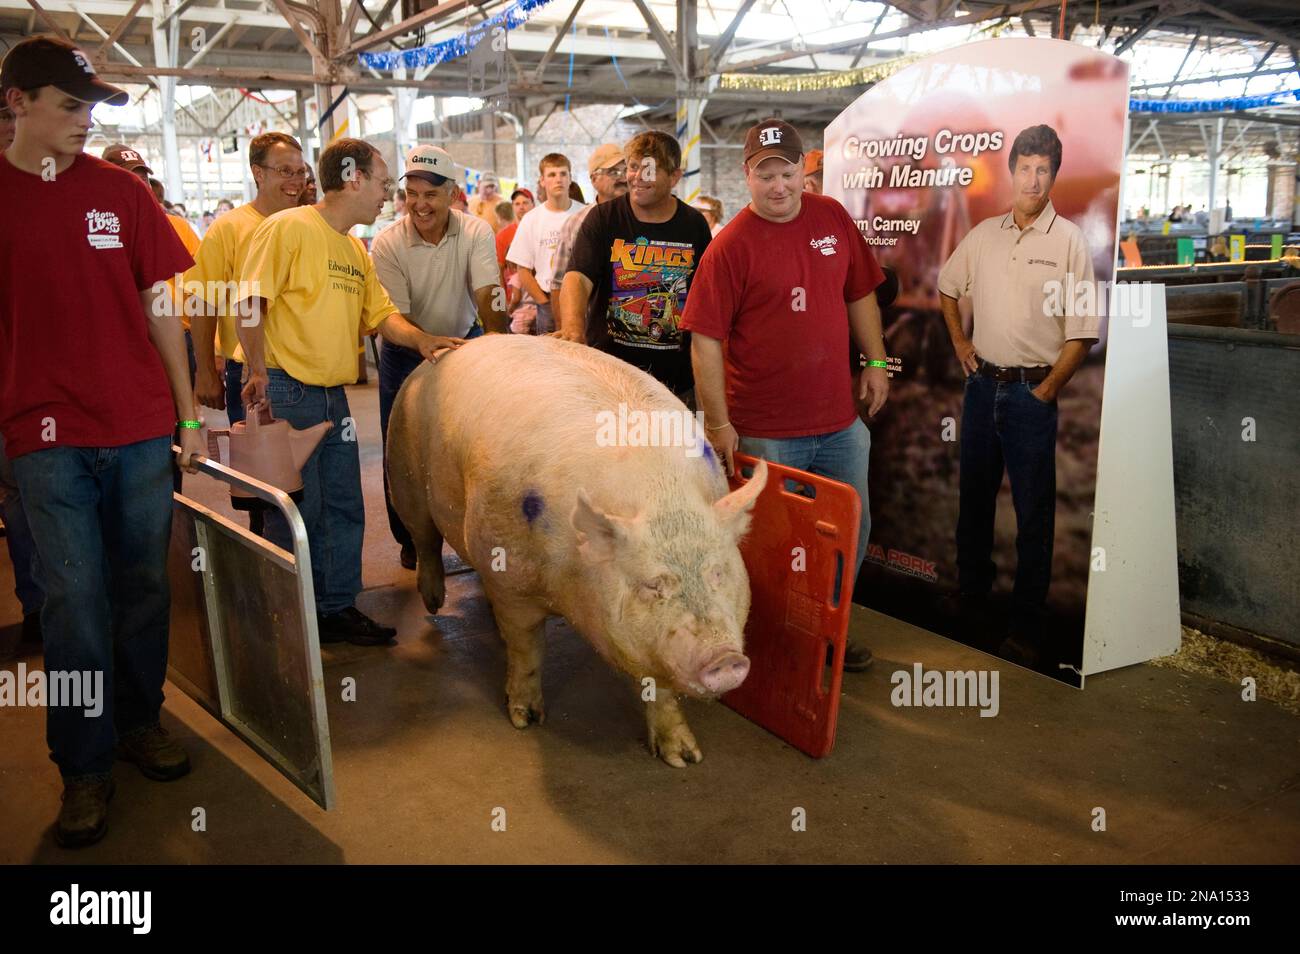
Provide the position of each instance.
(1186, 771)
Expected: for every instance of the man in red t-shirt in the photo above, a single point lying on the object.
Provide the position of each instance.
(771, 308)
(93, 380)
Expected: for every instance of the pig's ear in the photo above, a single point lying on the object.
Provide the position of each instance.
(733, 509)
(600, 535)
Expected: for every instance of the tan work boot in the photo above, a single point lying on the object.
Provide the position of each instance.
(157, 756)
(83, 819)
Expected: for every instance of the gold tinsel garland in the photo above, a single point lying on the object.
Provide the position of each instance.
(810, 82)
(833, 79)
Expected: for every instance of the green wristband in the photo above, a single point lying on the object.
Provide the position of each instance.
(190, 425)
(877, 364)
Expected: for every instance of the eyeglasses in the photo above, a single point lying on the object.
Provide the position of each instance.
(285, 172)
(388, 184)
(616, 172)
(646, 171)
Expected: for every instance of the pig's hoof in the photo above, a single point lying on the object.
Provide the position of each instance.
(433, 590)
(676, 746)
(524, 714)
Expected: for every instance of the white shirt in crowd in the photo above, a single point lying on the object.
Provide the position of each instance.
(536, 239)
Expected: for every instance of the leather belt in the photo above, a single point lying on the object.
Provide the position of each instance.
(1006, 375)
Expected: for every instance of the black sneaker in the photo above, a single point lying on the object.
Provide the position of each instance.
(157, 756)
(857, 658)
(1019, 649)
(32, 629)
(83, 819)
(353, 626)
(408, 558)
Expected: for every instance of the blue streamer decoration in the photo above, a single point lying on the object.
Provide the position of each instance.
(457, 46)
(619, 70)
(1231, 104)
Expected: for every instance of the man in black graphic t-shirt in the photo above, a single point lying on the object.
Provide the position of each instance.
(637, 255)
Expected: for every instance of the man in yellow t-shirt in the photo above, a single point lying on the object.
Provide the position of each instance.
(124, 157)
(314, 292)
(212, 284)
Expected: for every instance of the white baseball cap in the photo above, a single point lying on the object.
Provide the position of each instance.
(425, 162)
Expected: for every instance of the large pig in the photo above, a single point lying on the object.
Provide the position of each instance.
(503, 448)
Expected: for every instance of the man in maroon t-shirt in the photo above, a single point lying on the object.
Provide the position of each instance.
(93, 380)
(774, 300)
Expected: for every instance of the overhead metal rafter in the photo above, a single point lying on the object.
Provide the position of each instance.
(713, 59)
(1007, 10)
(359, 7)
(304, 37)
(48, 20)
(1140, 32)
(444, 9)
(1191, 48)
(1213, 78)
(560, 34)
(175, 13)
(661, 37)
(116, 33)
(225, 60)
(1243, 23)
(108, 38)
(210, 45)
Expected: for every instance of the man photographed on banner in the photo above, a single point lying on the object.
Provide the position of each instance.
(1022, 353)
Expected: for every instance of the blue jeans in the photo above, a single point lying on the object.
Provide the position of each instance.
(332, 507)
(1003, 426)
(102, 518)
(839, 455)
(545, 323)
(395, 366)
(234, 403)
(18, 537)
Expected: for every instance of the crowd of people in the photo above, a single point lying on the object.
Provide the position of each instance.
(750, 322)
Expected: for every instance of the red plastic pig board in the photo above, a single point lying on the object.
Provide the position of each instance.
(794, 614)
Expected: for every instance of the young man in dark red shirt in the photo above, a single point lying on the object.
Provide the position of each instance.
(93, 380)
(770, 313)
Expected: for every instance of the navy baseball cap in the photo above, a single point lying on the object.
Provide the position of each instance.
(50, 61)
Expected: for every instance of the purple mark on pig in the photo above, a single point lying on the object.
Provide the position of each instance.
(532, 506)
(708, 455)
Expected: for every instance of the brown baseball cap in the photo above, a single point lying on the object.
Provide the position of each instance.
(125, 157)
(606, 156)
(772, 137)
(49, 61)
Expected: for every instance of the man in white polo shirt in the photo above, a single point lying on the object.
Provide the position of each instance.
(439, 267)
(1022, 352)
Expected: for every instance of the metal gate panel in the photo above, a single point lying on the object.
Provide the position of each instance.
(244, 642)
(1236, 455)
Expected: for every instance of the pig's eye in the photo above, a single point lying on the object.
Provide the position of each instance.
(657, 589)
(649, 592)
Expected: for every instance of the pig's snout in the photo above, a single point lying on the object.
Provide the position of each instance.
(724, 673)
